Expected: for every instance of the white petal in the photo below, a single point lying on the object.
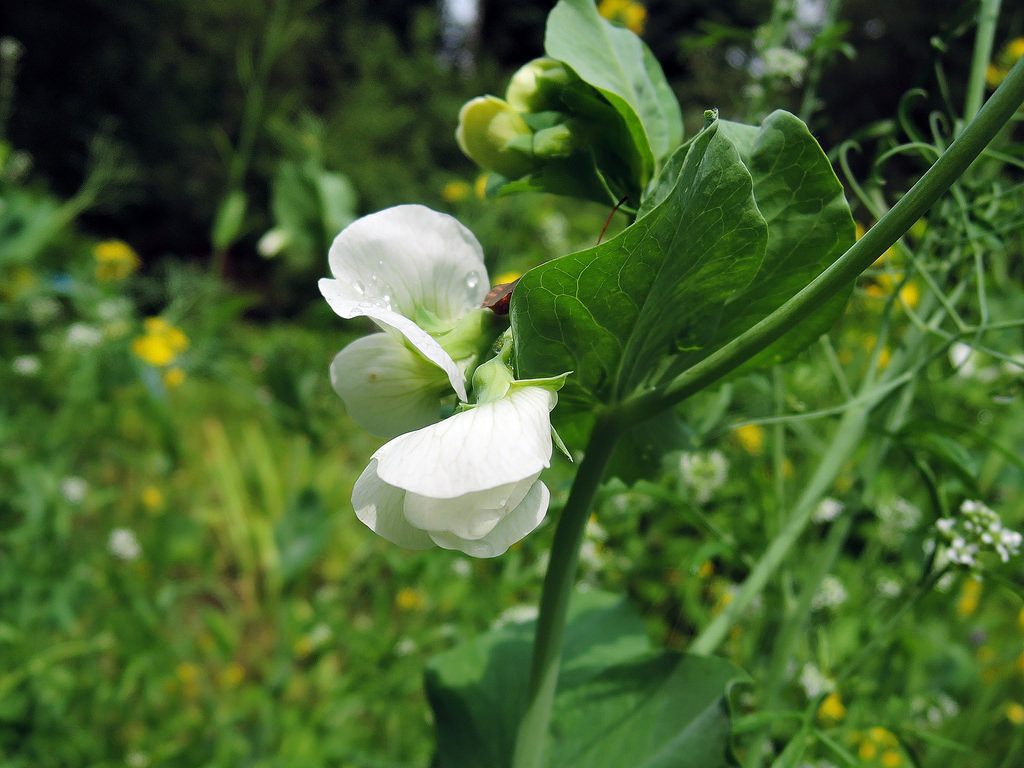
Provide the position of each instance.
(379, 506)
(493, 444)
(415, 257)
(471, 516)
(513, 527)
(337, 294)
(388, 389)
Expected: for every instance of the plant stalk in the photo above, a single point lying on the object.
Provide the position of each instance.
(554, 602)
(996, 112)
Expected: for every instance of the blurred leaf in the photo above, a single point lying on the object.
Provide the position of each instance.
(618, 703)
(301, 534)
(227, 224)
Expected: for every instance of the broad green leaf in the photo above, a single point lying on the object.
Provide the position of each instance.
(618, 703)
(809, 226)
(622, 68)
(613, 314)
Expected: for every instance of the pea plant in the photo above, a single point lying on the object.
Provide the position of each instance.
(740, 252)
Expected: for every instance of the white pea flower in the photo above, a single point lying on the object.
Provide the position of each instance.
(420, 276)
(471, 481)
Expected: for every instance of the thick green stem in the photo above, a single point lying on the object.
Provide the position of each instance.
(915, 203)
(554, 603)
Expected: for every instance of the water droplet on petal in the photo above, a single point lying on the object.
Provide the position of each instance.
(472, 280)
(359, 287)
(386, 300)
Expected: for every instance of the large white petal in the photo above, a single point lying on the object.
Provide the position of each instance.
(472, 516)
(513, 527)
(388, 389)
(411, 257)
(338, 293)
(493, 444)
(379, 506)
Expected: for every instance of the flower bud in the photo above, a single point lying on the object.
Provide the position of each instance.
(495, 136)
(556, 141)
(537, 86)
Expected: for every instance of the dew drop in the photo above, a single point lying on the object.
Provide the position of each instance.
(386, 300)
(360, 288)
(472, 280)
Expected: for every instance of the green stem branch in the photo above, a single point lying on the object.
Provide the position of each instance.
(554, 603)
(996, 112)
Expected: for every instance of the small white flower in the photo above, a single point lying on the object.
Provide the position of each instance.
(469, 482)
(26, 365)
(828, 509)
(517, 614)
(123, 544)
(975, 531)
(74, 489)
(705, 473)
(814, 682)
(420, 276)
(82, 336)
(406, 646)
(831, 594)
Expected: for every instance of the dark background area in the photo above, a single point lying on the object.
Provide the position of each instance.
(160, 78)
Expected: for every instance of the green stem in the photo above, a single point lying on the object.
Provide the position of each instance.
(988, 15)
(915, 203)
(554, 602)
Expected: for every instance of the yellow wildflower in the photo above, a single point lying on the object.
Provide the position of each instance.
(152, 498)
(969, 594)
(1015, 713)
(232, 675)
(867, 750)
(188, 675)
(115, 260)
(455, 191)
(832, 709)
(706, 570)
(1015, 49)
(161, 343)
(750, 438)
(627, 13)
(882, 737)
(409, 599)
(174, 377)
(997, 71)
(17, 282)
(884, 357)
(891, 758)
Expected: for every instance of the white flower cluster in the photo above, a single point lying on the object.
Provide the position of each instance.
(814, 681)
(705, 473)
(470, 481)
(976, 530)
(831, 594)
(123, 544)
(896, 518)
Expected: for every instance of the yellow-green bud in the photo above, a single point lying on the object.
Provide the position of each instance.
(493, 134)
(536, 86)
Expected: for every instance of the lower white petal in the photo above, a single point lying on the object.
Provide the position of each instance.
(387, 388)
(512, 528)
(379, 507)
(471, 516)
(493, 444)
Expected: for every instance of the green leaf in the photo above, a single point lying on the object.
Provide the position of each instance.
(618, 64)
(809, 225)
(301, 534)
(618, 703)
(614, 313)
